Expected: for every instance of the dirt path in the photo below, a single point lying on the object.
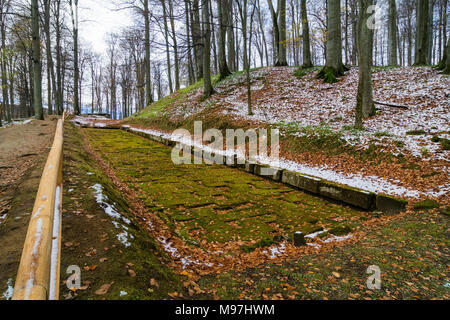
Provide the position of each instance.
(23, 152)
(20, 147)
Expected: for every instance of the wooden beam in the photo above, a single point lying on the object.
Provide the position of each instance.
(33, 276)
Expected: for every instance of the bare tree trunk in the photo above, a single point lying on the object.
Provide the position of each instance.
(261, 28)
(422, 37)
(223, 66)
(166, 37)
(354, 14)
(365, 106)
(197, 38)
(175, 47)
(444, 64)
(230, 36)
(148, 81)
(76, 75)
(5, 101)
(306, 42)
(213, 36)
(247, 69)
(242, 7)
(282, 59)
(393, 59)
(37, 63)
(430, 32)
(334, 67)
(59, 82)
(207, 85)
(276, 31)
(188, 43)
(11, 85)
(50, 65)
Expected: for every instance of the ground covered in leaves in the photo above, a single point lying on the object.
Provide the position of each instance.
(185, 208)
(412, 253)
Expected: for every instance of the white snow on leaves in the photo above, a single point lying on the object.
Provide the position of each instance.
(111, 211)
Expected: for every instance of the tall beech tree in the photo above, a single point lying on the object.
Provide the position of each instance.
(279, 31)
(365, 106)
(5, 107)
(306, 42)
(37, 63)
(148, 82)
(224, 71)
(392, 33)
(207, 84)
(334, 67)
(444, 64)
(76, 66)
(422, 36)
(282, 58)
(243, 13)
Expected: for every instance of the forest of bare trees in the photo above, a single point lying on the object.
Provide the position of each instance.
(46, 66)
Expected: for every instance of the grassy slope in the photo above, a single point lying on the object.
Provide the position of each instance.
(319, 140)
(86, 227)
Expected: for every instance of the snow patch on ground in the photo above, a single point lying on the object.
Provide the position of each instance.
(10, 290)
(276, 251)
(91, 121)
(337, 238)
(15, 123)
(185, 261)
(111, 211)
(315, 234)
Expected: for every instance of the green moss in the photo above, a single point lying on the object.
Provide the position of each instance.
(445, 211)
(260, 244)
(313, 138)
(434, 173)
(341, 230)
(382, 134)
(329, 75)
(416, 133)
(301, 72)
(445, 143)
(158, 107)
(426, 205)
(220, 203)
(435, 139)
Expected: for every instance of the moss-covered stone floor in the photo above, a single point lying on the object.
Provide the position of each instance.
(217, 208)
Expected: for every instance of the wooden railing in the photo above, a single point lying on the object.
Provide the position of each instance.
(39, 271)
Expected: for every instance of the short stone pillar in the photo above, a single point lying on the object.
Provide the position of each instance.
(299, 239)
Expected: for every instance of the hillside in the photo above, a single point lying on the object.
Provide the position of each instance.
(400, 152)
